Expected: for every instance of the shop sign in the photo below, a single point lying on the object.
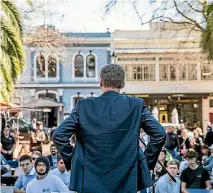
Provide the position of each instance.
(187, 101)
(139, 95)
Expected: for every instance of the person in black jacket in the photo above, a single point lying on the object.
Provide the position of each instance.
(209, 135)
(171, 141)
(53, 157)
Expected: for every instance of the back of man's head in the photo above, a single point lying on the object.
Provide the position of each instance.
(112, 76)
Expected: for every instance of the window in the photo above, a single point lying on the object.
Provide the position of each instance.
(182, 71)
(139, 72)
(211, 103)
(40, 65)
(46, 67)
(173, 72)
(135, 59)
(85, 66)
(163, 68)
(79, 66)
(90, 66)
(127, 72)
(207, 70)
(168, 72)
(52, 66)
(192, 71)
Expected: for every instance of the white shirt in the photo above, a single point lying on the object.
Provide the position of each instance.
(65, 177)
(48, 184)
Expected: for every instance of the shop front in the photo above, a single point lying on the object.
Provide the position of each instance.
(175, 108)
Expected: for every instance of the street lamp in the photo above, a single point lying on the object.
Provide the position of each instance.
(113, 58)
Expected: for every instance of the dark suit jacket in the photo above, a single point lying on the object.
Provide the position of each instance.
(107, 157)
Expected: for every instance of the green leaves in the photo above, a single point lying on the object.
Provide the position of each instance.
(12, 57)
(207, 35)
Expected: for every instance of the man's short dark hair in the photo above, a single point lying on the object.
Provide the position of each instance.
(163, 151)
(25, 157)
(112, 76)
(190, 154)
(59, 158)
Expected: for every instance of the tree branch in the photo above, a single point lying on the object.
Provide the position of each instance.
(134, 6)
(194, 9)
(186, 17)
(204, 10)
(170, 19)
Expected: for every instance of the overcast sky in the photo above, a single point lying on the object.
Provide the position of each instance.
(88, 15)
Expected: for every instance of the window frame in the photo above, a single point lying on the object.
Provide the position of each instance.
(46, 78)
(84, 78)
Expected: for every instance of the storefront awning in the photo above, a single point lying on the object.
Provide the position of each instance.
(45, 103)
(11, 107)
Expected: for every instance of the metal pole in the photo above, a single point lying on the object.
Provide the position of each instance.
(160, 163)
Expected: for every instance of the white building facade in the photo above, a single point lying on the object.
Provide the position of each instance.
(166, 67)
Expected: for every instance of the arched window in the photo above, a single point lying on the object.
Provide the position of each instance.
(40, 65)
(52, 66)
(90, 65)
(79, 66)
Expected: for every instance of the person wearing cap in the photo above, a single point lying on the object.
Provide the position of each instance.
(61, 171)
(208, 163)
(28, 174)
(45, 182)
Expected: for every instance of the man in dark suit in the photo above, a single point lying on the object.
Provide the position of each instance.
(53, 157)
(107, 157)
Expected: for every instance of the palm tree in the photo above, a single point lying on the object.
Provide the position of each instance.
(12, 56)
(207, 35)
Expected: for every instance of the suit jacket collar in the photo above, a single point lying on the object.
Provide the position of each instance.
(111, 93)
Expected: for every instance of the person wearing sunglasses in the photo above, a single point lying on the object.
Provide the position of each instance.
(34, 156)
(28, 174)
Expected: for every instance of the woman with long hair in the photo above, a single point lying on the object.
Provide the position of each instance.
(8, 143)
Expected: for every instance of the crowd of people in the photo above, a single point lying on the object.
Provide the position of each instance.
(187, 156)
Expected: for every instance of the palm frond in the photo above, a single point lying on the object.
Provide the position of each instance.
(30, 3)
(13, 42)
(209, 9)
(13, 15)
(9, 49)
(12, 56)
(207, 35)
(5, 69)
